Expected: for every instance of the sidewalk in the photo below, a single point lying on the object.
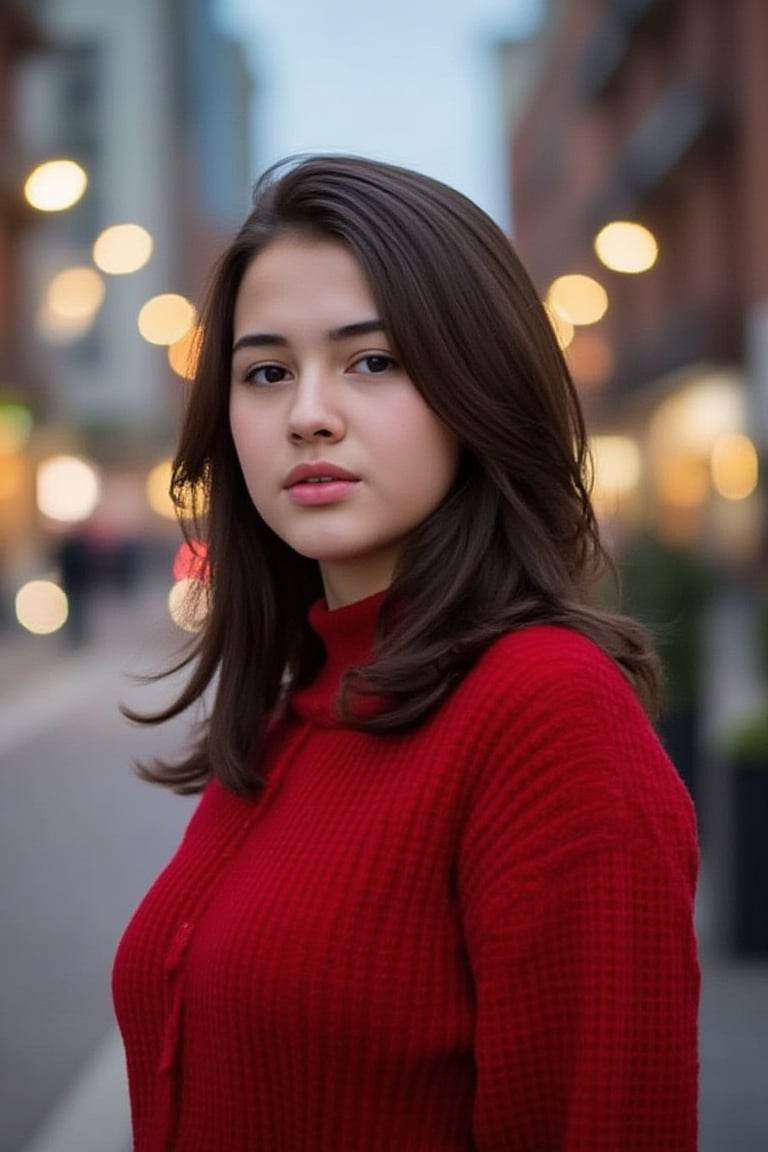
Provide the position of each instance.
(136, 633)
(132, 626)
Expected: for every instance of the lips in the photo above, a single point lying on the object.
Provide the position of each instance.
(316, 473)
(319, 484)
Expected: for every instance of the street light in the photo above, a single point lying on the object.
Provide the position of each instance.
(578, 299)
(55, 185)
(164, 319)
(68, 489)
(122, 248)
(625, 246)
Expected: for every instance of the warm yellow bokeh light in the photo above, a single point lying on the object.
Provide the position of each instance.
(625, 246)
(734, 466)
(58, 329)
(75, 294)
(184, 354)
(12, 471)
(68, 488)
(188, 603)
(55, 185)
(616, 462)
(164, 319)
(563, 328)
(158, 490)
(682, 481)
(578, 299)
(122, 248)
(41, 607)
(690, 420)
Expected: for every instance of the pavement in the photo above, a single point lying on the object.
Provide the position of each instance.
(93, 1115)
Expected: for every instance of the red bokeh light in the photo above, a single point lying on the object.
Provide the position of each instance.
(190, 561)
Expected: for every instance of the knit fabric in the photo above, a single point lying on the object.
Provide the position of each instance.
(475, 936)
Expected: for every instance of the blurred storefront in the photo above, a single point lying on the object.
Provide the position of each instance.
(652, 113)
(126, 166)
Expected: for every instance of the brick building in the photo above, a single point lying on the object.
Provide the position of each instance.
(655, 111)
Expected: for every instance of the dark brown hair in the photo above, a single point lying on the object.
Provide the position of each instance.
(515, 542)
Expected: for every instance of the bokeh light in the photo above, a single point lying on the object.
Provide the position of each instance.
(164, 319)
(55, 185)
(41, 607)
(12, 474)
(682, 481)
(578, 299)
(184, 353)
(564, 330)
(122, 248)
(57, 329)
(625, 246)
(691, 419)
(190, 560)
(188, 604)
(617, 470)
(157, 488)
(68, 488)
(72, 300)
(734, 466)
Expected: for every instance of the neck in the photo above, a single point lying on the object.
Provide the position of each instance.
(344, 585)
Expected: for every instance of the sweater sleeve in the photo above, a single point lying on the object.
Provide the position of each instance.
(576, 881)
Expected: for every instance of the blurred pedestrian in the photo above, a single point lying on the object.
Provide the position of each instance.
(76, 569)
(438, 891)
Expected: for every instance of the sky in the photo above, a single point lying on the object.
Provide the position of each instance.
(409, 81)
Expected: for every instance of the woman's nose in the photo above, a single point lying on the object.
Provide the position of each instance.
(316, 412)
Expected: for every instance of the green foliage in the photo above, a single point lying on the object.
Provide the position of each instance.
(669, 591)
(748, 740)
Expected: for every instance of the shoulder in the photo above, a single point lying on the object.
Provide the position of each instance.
(559, 735)
(546, 707)
(553, 665)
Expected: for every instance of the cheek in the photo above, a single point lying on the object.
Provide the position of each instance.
(438, 458)
(248, 445)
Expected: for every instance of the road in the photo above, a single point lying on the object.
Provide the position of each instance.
(81, 838)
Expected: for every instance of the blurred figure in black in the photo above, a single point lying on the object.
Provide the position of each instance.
(75, 560)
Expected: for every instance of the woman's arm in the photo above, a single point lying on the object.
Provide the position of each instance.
(577, 879)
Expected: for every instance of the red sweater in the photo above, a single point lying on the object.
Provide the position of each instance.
(476, 936)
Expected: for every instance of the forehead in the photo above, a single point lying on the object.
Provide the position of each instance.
(297, 278)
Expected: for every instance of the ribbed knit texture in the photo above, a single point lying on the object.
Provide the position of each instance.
(477, 936)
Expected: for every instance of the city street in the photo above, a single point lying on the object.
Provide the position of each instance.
(81, 838)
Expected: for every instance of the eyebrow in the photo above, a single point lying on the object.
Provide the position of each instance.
(345, 332)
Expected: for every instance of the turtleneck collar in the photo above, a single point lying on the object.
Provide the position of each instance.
(347, 634)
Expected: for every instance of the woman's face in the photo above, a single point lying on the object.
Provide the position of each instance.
(340, 453)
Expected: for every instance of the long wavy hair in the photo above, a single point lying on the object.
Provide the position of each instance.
(515, 542)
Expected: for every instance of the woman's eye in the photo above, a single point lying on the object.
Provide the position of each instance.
(374, 363)
(266, 374)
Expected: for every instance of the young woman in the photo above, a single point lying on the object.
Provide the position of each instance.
(438, 891)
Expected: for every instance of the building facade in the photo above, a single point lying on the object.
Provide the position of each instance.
(154, 103)
(653, 112)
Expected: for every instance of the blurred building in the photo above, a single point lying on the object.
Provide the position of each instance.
(20, 38)
(652, 112)
(154, 103)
